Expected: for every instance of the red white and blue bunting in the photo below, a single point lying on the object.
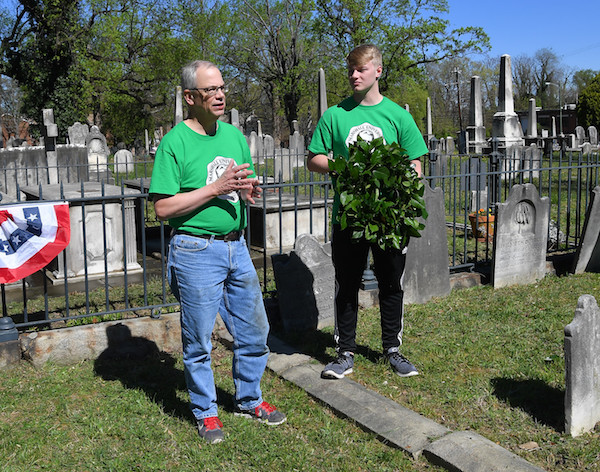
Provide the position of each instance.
(31, 235)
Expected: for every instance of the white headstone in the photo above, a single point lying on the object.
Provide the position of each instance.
(521, 237)
(582, 368)
(124, 162)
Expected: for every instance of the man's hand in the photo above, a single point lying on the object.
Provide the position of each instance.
(250, 194)
(234, 179)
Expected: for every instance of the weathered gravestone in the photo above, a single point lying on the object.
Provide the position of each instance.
(521, 237)
(579, 136)
(97, 155)
(582, 368)
(587, 257)
(78, 133)
(305, 281)
(593, 134)
(123, 160)
(426, 273)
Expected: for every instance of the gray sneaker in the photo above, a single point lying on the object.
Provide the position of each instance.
(339, 367)
(400, 364)
(210, 430)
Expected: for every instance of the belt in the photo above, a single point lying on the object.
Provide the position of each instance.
(232, 236)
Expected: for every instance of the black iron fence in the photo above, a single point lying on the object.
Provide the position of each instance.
(114, 267)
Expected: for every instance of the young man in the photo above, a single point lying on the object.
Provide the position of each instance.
(202, 175)
(370, 115)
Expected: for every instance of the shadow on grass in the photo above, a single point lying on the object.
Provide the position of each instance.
(138, 364)
(314, 344)
(536, 398)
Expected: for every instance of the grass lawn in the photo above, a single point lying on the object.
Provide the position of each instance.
(491, 361)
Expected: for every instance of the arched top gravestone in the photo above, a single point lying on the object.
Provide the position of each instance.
(96, 146)
(78, 134)
(521, 237)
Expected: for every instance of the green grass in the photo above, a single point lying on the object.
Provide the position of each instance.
(132, 415)
(491, 361)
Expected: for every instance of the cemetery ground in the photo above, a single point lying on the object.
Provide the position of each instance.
(491, 361)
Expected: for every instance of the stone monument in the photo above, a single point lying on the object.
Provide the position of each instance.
(50, 135)
(97, 155)
(587, 257)
(476, 129)
(506, 127)
(426, 273)
(322, 93)
(305, 280)
(520, 237)
(78, 133)
(582, 368)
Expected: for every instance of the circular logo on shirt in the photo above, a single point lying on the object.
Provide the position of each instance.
(366, 131)
(215, 170)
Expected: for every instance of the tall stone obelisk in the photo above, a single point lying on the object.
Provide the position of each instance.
(475, 129)
(322, 107)
(506, 127)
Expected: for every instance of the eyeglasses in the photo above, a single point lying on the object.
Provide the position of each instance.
(211, 91)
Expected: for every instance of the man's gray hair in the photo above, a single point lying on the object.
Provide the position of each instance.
(188, 73)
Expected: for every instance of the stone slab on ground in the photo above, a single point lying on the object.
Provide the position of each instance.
(79, 343)
(466, 451)
(399, 426)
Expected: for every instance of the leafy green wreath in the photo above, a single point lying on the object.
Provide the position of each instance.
(381, 195)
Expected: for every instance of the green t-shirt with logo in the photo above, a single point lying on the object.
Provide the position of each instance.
(186, 160)
(340, 126)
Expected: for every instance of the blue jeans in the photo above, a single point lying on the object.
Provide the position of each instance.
(208, 277)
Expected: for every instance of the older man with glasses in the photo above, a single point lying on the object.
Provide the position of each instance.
(202, 177)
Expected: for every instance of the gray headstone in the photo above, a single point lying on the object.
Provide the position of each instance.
(253, 144)
(123, 161)
(473, 174)
(450, 147)
(582, 368)
(532, 162)
(587, 148)
(78, 133)
(479, 200)
(283, 165)
(521, 237)
(593, 134)
(305, 280)
(587, 258)
(97, 152)
(269, 146)
(426, 274)
(579, 135)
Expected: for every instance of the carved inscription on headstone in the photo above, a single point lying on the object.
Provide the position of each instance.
(521, 237)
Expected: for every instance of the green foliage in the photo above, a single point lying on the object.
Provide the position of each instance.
(410, 33)
(588, 108)
(381, 196)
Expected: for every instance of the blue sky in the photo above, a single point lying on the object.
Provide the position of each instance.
(521, 27)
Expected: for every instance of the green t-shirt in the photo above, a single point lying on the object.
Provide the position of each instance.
(186, 160)
(340, 126)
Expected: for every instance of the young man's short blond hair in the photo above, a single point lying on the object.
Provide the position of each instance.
(364, 53)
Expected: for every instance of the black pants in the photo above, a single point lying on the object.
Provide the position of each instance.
(350, 259)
